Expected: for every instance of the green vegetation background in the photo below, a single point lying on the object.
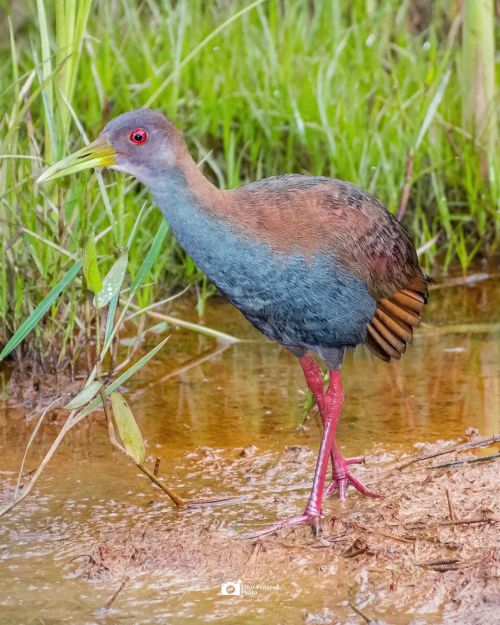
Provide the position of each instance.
(343, 89)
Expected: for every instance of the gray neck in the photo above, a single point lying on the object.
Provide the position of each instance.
(208, 240)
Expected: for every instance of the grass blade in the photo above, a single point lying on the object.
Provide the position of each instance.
(151, 256)
(431, 111)
(32, 321)
(200, 47)
(90, 266)
(84, 396)
(144, 269)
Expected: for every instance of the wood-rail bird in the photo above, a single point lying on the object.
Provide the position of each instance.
(316, 264)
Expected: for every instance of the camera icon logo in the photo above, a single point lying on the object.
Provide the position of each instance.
(231, 588)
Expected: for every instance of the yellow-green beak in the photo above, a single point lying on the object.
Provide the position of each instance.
(99, 153)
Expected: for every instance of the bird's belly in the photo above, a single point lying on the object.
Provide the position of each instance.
(297, 301)
(302, 303)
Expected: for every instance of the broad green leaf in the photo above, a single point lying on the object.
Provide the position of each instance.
(84, 396)
(90, 266)
(32, 321)
(127, 427)
(112, 282)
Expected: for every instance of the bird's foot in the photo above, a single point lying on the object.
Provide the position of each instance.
(342, 478)
(307, 518)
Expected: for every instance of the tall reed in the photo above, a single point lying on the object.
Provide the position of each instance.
(480, 113)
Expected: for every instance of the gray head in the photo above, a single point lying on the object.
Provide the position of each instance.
(146, 143)
(143, 143)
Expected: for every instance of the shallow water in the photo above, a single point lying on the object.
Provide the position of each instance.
(199, 423)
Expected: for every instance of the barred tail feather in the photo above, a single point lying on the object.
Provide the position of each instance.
(391, 328)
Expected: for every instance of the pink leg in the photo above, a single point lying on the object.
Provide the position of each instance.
(332, 403)
(314, 379)
(341, 476)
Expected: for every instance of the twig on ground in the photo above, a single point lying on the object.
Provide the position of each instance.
(474, 444)
(179, 501)
(451, 511)
(449, 565)
(360, 613)
(108, 603)
(156, 470)
(401, 539)
(441, 565)
(460, 328)
(419, 525)
(467, 461)
(258, 546)
(472, 278)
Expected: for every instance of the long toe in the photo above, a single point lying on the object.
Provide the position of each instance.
(341, 485)
(300, 519)
(355, 460)
(353, 481)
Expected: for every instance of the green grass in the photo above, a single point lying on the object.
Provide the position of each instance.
(348, 89)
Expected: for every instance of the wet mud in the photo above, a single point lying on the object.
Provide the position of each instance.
(96, 543)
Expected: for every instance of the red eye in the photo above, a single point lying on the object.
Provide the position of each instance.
(138, 136)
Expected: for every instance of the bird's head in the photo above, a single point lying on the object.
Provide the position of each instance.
(142, 143)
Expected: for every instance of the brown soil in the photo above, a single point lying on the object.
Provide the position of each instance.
(432, 541)
(35, 390)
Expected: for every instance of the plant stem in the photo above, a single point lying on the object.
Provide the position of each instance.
(479, 76)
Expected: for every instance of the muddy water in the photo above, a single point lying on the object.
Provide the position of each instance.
(222, 426)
